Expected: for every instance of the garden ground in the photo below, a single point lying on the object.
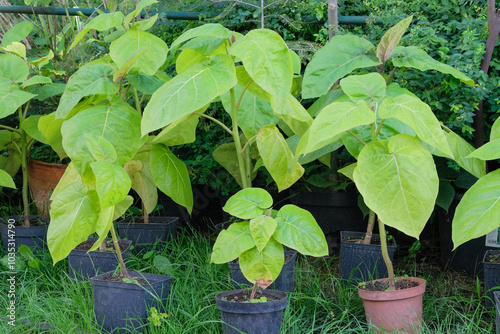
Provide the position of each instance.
(320, 304)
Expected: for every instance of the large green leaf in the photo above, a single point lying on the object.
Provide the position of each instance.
(13, 68)
(153, 57)
(46, 91)
(478, 211)
(391, 39)
(339, 57)
(100, 148)
(17, 33)
(298, 229)
(116, 122)
(142, 180)
(180, 132)
(188, 58)
(495, 130)
(214, 30)
(411, 56)
(6, 180)
(461, 151)
(11, 99)
(146, 84)
(189, 92)
(73, 216)
(88, 80)
(291, 112)
(205, 44)
(112, 182)
(253, 113)
(103, 226)
(399, 182)
(121, 208)
(171, 176)
(263, 266)
(69, 177)
(30, 125)
(262, 228)
(232, 242)
(417, 114)
(266, 59)
(35, 80)
(101, 22)
(369, 88)
(225, 155)
(489, 151)
(333, 120)
(276, 155)
(248, 203)
(244, 80)
(137, 11)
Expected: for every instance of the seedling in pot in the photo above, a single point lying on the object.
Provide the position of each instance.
(258, 241)
(389, 130)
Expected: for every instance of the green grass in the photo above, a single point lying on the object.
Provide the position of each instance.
(320, 304)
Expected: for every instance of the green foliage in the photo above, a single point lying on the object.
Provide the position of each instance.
(258, 243)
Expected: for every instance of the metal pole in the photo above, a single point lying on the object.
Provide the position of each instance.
(88, 12)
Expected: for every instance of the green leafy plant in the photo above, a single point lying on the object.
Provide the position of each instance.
(21, 81)
(258, 241)
(101, 134)
(391, 132)
(476, 213)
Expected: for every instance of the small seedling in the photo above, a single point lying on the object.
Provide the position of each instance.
(156, 317)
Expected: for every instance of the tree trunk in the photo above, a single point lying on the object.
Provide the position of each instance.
(333, 18)
(494, 31)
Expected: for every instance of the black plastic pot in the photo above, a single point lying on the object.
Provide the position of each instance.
(496, 295)
(334, 212)
(285, 281)
(361, 263)
(123, 307)
(86, 265)
(157, 232)
(35, 237)
(491, 277)
(251, 318)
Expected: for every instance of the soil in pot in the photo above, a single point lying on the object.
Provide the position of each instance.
(86, 265)
(394, 311)
(360, 262)
(284, 282)
(239, 315)
(156, 233)
(122, 307)
(35, 236)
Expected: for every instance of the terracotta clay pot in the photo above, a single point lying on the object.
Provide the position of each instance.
(399, 311)
(43, 178)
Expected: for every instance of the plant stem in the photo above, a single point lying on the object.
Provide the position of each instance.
(145, 216)
(119, 252)
(369, 228)
(137, 102)
(216, 121)
(102, 246)
(9, 128)
(237, 143)
(252, 294)
(385, 255)
(355, 136)
(391, 74)
(24, 170)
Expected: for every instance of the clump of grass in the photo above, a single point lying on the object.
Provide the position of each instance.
(321, 303)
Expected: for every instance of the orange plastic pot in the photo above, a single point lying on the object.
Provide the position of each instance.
(399, 310)
(43, 178)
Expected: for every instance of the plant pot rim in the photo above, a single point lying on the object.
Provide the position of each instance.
(47, 164)
(150, 278)
(159, 220)
(80, 251)
(251, 308)
(45, 220)
(394, 295)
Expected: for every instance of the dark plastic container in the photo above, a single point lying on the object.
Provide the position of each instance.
(285, 281)
(251, 318)
(158, 231)
(83, 264)
(334, 212)
(123, 307)
(35, 237)
(496, 295)
(491, 277)
(361, 263)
